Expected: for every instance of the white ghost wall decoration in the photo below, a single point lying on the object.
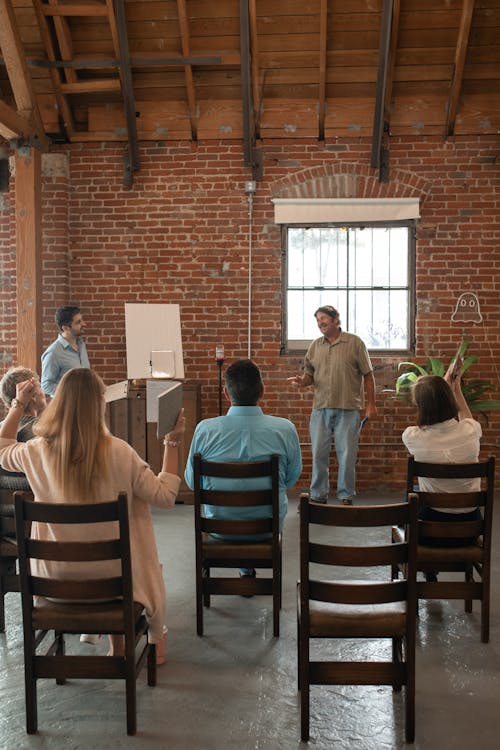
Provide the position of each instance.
(467, 309)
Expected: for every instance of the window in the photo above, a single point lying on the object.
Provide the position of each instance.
(365, 271)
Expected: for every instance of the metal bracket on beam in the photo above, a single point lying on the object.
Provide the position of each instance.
(24, 145)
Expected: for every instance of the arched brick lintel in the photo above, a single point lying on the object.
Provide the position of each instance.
(347, 180)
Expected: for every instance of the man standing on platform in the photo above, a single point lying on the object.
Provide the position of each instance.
(67, 351)
(337, 365)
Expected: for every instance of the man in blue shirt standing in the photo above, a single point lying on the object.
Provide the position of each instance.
(245, 433)
(67, 351)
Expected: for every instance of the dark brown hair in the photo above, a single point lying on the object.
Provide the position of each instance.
(434, 400)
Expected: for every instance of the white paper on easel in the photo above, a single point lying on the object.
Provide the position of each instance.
(152, 328)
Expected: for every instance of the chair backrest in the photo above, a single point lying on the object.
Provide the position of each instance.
(369, 590)
(115, 548)
(237, 497)
(482, 498)
(7, 523)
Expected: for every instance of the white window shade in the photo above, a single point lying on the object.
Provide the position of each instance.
(325, 210)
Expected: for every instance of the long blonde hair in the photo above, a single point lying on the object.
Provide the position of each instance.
(74, 428)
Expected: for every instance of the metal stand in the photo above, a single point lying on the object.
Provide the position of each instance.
(220, 362)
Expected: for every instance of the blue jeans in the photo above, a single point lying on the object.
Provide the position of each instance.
(343, 426)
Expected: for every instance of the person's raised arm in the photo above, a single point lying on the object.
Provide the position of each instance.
(172, 441)
(453, 377)
(24, 394)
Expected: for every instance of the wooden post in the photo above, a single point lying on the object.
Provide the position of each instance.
(28, 212)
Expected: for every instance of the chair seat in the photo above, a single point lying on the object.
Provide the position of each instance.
(328, 620)
(231, 550)
(470, 553)
(105, 617)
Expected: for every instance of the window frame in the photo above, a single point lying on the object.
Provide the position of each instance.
(302, 346)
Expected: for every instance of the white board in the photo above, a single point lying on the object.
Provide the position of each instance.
(152, 328)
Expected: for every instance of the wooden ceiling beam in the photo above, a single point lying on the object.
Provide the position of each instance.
(188, 70)
(118, 19)
(255, 76)
(380, 97)
(13, 125)
(17, 71)
(63, 36)
(391, 66)
(323, 24)
(246, 86)
(65, 114)
(459, 65)
(91, 87)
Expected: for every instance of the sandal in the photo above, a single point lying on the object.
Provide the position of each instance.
(347, 501)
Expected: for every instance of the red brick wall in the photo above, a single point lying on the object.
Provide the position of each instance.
(180, 235)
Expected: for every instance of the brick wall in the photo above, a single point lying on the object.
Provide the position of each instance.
(180, 235)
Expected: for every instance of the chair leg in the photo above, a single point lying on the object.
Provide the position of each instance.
(152, 665)
(397, 658)
(60, 651)
(30, 685)
(130, 686)
(304, 710)
(485, 617)
(199, 603)
(469, 578)
(410, 693)
(2, 608)
(276, 603)
(206, 597)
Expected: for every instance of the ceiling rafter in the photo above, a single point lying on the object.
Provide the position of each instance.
(246, 85)
(119, 30)
(459, 65)
(255, 75)
(12, 125)
(65, 114)
(188, 69)
(391, 64)
(63, 36)
(17, 70)
(323, 19)
(381, 89)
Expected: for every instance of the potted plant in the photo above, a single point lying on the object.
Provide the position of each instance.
(474, 390)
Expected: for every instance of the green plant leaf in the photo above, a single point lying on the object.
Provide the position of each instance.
(414, 366)
(436, 366)
(487, 405)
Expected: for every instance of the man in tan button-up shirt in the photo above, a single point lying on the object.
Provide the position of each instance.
(338, 366)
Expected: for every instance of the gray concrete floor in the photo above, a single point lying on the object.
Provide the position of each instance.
(236, 686)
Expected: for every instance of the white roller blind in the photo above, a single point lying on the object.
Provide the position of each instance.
(320, 210)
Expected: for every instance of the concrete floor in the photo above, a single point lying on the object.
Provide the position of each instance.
(236, 686)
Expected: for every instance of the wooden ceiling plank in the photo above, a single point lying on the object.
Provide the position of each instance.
(62, 102)
(188, 70)
(383, 65)
(323, 25)
(458, 68)
(257, 95)
(76, 9)
(17, 71)
(93, 86)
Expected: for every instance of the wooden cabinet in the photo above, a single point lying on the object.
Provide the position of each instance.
(126, 418)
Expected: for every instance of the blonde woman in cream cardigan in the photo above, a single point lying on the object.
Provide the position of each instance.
(74, 458)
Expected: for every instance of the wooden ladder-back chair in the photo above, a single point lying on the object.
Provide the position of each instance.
(104, 605)
(212, 552)
(373, 607)
(471, 558)
(9, 578)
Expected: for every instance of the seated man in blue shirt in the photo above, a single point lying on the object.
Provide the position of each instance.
(246, 434)
(67, 351)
